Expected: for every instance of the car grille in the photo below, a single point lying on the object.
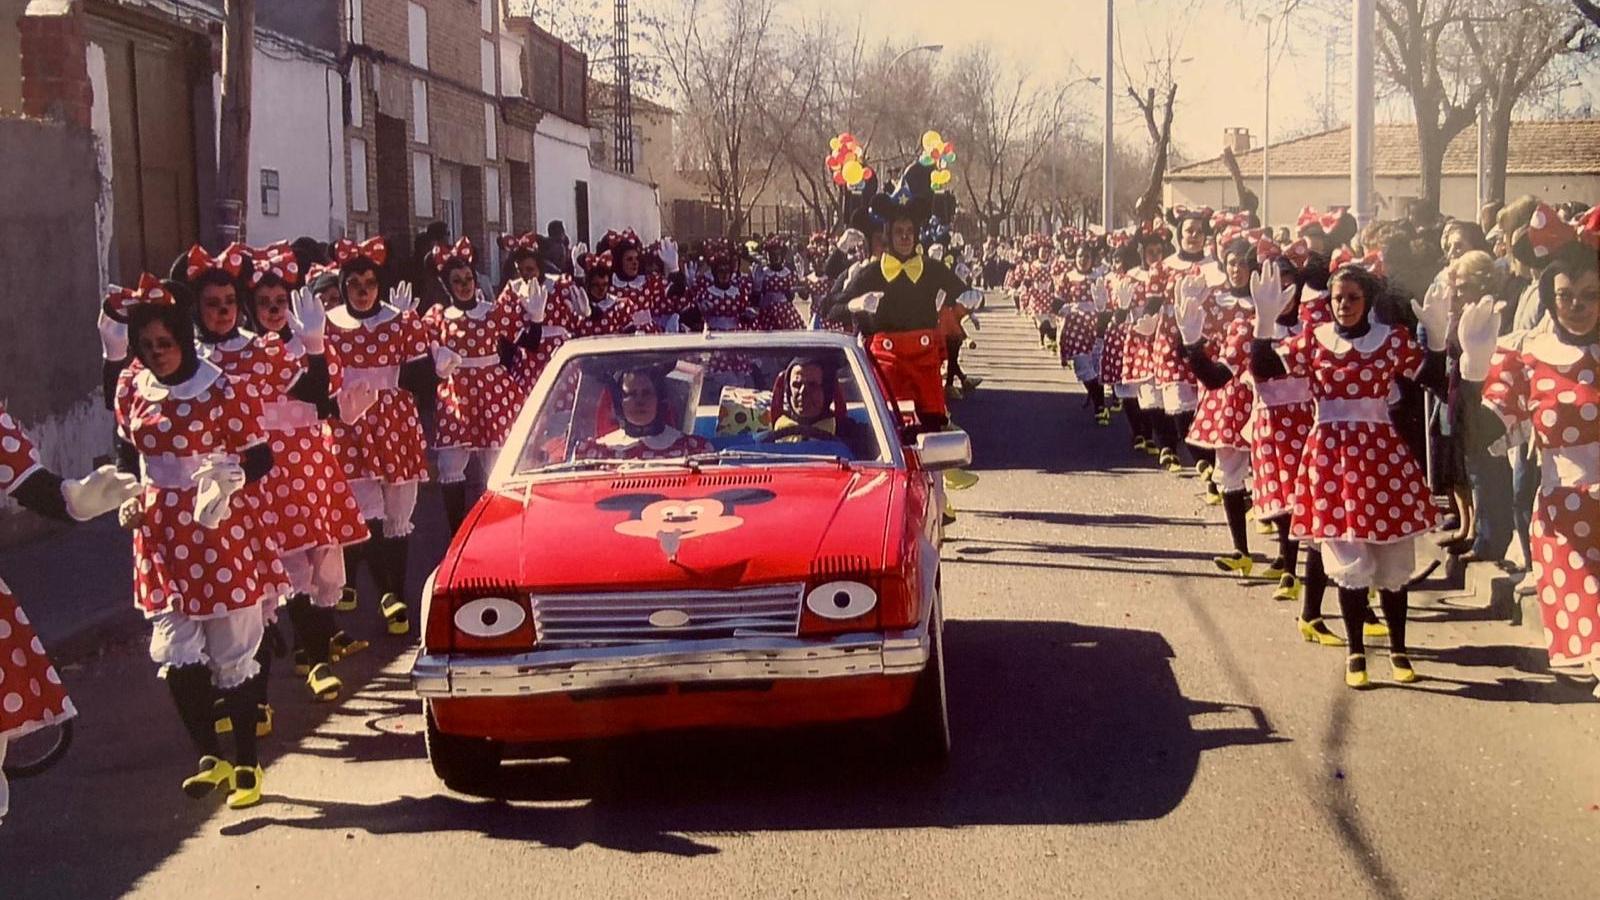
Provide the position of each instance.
(583, 620)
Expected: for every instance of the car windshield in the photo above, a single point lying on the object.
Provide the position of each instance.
(757, 405)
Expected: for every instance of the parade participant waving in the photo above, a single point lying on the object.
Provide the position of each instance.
(31, 694)
(1151, 282)
(775, 284)
(310, 505)
(471, 338)
(1359, 493)
(195, 438)
(897, 301)
(1547, 386)
(648, 290)
(378, 435)
(1225, 392)
(1077, 337)
(724, 300)
(1175, 383)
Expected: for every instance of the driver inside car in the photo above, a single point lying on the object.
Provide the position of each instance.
(639, 401)
(808, 408)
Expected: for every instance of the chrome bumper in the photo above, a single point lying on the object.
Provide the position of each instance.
(670, 662)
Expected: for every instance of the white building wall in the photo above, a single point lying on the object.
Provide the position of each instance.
(561, 160)
(297, 128)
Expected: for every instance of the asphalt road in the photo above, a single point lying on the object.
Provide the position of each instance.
(1128, 722)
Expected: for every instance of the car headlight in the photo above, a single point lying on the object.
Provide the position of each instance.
(490, 617)
(841, 599)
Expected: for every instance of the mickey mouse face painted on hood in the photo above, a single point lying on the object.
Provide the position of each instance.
(653, 515)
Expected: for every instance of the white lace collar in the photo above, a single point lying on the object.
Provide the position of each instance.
(341, 318)
(621, 440)
(1367, 343)
(477, 313)
(1549, 349)
(636, 284)
(151, 388)
(231, 345)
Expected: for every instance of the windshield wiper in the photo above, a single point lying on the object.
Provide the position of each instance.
(764, 456)
(576, 465)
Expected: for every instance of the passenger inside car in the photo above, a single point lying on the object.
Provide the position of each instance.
(807, 407)
(638, 398)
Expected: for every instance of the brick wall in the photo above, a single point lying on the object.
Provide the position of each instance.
(55, 70)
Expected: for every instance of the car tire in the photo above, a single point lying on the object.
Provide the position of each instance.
(924, 726)
(462, 763)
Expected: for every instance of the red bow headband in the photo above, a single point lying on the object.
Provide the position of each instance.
(1267, 250)
(1327, 221)
(119, 300)
(443, 255)
(1298, 253)
(596, 264)
(528, 240)
(1372, 262)
(232, 260)
(1589, 227)
(372, 249)
(1547, 233)
(276, 260)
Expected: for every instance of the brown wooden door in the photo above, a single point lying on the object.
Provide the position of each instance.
(394, 179)
(155, 214)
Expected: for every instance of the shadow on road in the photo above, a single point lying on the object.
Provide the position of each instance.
(1055, 723)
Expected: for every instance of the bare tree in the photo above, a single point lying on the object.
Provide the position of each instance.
(722, 61)
(589, 27)
(1590, 11)
(1001, 122)
(1152, 86)
(1513, 61)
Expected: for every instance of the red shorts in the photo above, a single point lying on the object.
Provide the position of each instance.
(910, 362)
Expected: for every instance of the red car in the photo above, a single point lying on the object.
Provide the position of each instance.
(693, 531)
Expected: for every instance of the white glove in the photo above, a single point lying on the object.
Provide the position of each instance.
(130, 515)
(936, 252)
(401, 298)
(867, 303)
(578, 301)
(355, 398)
(1433, 317)
(532, 297)
(669, 254)
(113, 338)
(1146, 325)
(1268, 297)
(970, 299)
(1124, 294)
(1100, 294)
(1477, 333)
(98, 493)
(1191, 310)
(851, 240)
(217, 480)
(579, 251)
(445, 361)
(308, 320)
(642, 319)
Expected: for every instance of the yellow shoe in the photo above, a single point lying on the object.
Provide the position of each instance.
(263, 720)
(1103, 417)
(1289, 590)
(247, 781)
(959, 479)
(1169, 461)
(1400, 665)
(1140, 443)
(1316, 632)
(324, 685)
(1202, 468)
(213, 774)
(1355, 671)
(1374, 629)
(1152, 449)
(302, 663)
(1274, 572)
(347, 600)
(394, 613)
(1235, 563)
(1266, 529)
(1212, 496)
(343, 646)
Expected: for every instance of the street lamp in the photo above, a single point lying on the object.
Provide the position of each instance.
(1266, 124)
(1107, 176)
(1055, 191)
(930, 48)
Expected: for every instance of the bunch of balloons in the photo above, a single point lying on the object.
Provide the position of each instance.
(938, 153)
(845, 163)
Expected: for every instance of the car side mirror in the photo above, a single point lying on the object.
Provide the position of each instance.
(938, 450)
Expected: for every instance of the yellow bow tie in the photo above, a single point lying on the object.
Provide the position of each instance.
(892, 267)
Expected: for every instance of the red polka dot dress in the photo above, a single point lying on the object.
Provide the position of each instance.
(1357, 480)
(179, 565)
(478, 401)
(386, 442)
(1076, 333)
(1551, 391)
(1280, 422)
(669, 444)
(1138, 351)
(307, 501)
(649, 292)
(725, 308)
(31, 693)
(1170, 366)
(1038, 291)
(1222, 414)
(557, 327)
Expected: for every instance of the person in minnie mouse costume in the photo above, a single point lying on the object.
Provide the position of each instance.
(632, 283)
(472, 339)
(775, 282)
(31, 694)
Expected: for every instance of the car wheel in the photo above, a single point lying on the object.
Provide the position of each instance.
(461, 762)
(925, 724)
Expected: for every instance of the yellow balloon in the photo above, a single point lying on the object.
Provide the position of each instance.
(852, 171)
(834, 145)
(930, 140)
(942, 176)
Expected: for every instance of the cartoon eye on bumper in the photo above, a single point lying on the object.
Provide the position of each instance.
(490, 617)
(841, 599)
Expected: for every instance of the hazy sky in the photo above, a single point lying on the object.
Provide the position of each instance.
(1221, 87)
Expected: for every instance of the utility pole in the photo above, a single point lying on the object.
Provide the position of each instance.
(233, 132)
(622, 127)
(1266, 125)
(1107, 175)
(1363, 36)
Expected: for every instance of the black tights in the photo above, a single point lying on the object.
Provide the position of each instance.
(1234, 506)
(1138, 419)
(1353, 606)
(1316, 584)
(1288, 547)
(1164, 429)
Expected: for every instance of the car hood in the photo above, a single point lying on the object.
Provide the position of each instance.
(718, 529)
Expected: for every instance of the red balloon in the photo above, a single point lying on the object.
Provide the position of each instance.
(838, 178)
